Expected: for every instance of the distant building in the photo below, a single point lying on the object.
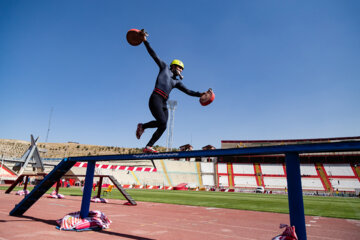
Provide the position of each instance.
(208, 147)
(208, 159)
(186, 147)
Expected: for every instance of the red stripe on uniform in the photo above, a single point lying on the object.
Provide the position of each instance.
(161, 93)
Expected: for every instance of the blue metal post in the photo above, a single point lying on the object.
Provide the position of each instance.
(89, 179)
(295, 197)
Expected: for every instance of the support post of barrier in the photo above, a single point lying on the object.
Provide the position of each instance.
(99, 187)
(58, 183)
(295, 197)
(26, 182)
(89, 179)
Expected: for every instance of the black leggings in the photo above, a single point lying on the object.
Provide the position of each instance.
(158, 108)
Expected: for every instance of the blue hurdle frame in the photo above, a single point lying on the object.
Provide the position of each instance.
(295, 197)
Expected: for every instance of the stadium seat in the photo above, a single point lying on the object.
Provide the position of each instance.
(108, 190)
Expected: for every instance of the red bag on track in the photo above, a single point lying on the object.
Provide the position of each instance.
(288, 234)
(73, 222)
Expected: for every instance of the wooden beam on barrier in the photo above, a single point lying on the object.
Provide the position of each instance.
(20, 179)
(101, 177)
(267, 150)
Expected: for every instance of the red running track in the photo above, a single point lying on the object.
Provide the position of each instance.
(160, 221)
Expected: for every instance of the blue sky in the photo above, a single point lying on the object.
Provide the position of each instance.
(279, 69)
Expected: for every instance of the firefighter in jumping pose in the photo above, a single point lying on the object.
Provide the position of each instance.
(167, 79)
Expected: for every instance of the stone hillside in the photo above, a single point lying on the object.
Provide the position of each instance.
(16, 148)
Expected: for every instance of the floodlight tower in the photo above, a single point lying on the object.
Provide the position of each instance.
(170, 126)
(47, 134)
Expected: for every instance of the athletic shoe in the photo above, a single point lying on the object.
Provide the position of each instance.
(139, 131)
(149, 149)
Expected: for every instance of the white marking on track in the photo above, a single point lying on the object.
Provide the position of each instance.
(118, 215)
(57, 204)
(212, 208)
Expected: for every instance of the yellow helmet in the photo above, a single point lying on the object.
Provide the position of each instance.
(177, 62)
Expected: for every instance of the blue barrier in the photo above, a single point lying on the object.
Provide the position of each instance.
(296, 205)
(268, 150)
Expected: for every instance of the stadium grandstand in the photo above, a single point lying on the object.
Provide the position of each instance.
(337, 172)
(326, 172)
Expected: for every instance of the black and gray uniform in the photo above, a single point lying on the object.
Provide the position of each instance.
(165, 82)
